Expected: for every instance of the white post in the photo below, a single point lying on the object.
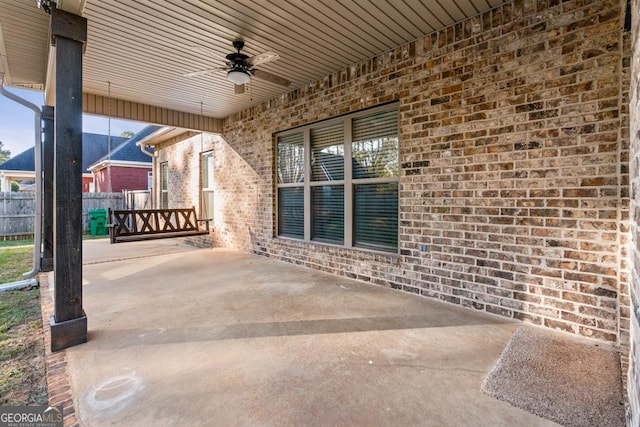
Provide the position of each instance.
(5, 184)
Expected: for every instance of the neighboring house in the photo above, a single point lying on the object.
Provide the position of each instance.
(94, 146)
(18, 168)
(126, 167)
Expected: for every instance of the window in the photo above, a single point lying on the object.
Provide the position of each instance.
(164, 185)
(337, 181)
(291, 186)
(327, 186)
(206, 179)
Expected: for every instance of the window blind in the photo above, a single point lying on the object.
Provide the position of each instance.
(291, 212)
(375, 145)
(376, 215)
(376, 125)
(291, 158)
(328, 213)
(327, 153)
(372, 199)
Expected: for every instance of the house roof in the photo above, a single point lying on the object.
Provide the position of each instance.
(94, 146)
(24, 161)
(129, 151)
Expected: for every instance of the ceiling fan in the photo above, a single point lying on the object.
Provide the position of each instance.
(240, 68)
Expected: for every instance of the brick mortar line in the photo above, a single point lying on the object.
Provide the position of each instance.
(57, 375)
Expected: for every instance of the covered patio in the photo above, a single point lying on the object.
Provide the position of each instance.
(484, 153)
(217, 337)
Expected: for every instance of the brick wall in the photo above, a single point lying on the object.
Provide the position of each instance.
(86, 184)
(129, 178)
(238, 189)
(514, 141)
(633, 381)
(511, 141)
(182, 155)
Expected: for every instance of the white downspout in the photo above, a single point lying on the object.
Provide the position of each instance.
(143, 148)
(37, 236)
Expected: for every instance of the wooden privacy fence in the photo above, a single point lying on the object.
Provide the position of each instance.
(17, 211)
(137, 199)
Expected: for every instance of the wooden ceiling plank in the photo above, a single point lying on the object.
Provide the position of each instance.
(292, 36)
(301, 71)
(332, 14)
(389, 19)
(406, 8)
(149, 113)
(435, 9)
(127, 63)
(295, 62)
(152, 53)
(467, 7)
(145, 46)
(137, 19)
(426, 13)
(124, 90)
(268, 28)
(188, 56)
(453, 9)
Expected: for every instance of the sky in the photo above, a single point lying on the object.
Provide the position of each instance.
(17, 122)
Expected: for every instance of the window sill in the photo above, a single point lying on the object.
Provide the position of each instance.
(392, 255)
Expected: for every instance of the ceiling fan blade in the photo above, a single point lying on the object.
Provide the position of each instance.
(262, 58)
(203, 72)
(272, 78)
(239, 89)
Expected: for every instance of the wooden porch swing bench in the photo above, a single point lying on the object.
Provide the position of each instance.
(149, 224)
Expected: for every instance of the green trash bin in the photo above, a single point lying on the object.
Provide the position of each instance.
(98, 222)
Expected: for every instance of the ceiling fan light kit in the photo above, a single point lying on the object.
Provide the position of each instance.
(238, 76)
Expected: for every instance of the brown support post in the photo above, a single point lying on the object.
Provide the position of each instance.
(46, 262)
(69, 323)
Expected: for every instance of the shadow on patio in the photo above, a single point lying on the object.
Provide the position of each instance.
(185, 336)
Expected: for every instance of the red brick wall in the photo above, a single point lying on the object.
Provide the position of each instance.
(86, 184)
(122, 178)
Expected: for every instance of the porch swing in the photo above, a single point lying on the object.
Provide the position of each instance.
(131, 225)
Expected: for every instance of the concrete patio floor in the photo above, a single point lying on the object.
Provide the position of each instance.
(186, 336)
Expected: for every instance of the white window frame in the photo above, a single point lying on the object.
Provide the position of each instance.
(164, 189)
(347, 183)
(204, 156)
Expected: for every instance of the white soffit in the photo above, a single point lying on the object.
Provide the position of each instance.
(143, 48)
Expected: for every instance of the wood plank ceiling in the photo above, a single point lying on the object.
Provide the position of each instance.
(142, 49)
(23, 43)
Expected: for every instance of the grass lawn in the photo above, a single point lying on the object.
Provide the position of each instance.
(22, 360)
(15, 260)
(22, 372)
(22, 242)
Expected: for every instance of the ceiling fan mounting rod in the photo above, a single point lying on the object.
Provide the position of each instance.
(238, 45)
